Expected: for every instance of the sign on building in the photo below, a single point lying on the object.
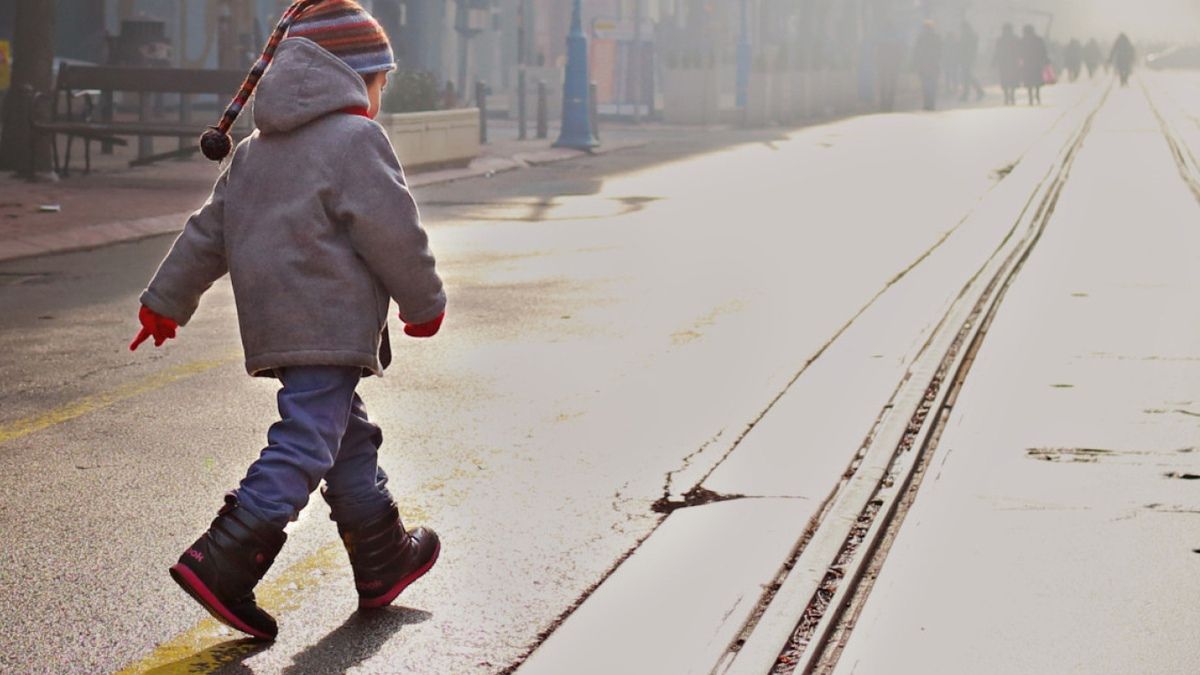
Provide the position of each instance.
(5, 64)
(621, 30)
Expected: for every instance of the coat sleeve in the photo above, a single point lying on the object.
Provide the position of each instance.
(378, 210)
(195, 262)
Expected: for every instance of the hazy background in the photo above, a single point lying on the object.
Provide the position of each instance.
(1154, 20)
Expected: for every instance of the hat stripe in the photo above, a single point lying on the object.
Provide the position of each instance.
(309, 25)
(368, 63)
(358, 33)
(350, 44)
(349, 32)
(332, 7)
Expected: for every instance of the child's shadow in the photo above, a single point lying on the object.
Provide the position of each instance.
(226, 656)
(355, 641)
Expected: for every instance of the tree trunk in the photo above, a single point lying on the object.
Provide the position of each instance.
(33, 70)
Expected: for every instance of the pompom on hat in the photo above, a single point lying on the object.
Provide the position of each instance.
(341, 27)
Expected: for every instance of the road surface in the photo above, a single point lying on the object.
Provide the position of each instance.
(616, 325)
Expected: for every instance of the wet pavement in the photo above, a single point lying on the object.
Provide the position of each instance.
(616, 325)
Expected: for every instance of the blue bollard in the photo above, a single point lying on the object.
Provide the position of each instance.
(576, 125)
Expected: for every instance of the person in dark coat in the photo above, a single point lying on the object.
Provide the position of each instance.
(1008, 61)
(927, 61)
(968, 52)
(1122, 57)
(889, 57)
(1034, 59)
(1092, 56)
(951, 68)
(1073, 59)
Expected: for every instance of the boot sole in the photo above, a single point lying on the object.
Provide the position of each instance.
(390, 595)
(191, 583)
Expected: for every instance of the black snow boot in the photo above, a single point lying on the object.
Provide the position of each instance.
(386, 558)
(221, 569)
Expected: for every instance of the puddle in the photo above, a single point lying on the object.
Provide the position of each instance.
(1166, 411)
(1171, 508)
(1068, 454)
(20, 278)
(1092, 455)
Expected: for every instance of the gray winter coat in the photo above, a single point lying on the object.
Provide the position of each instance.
(314, 223)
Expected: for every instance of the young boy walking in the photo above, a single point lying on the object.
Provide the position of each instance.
(313, 222)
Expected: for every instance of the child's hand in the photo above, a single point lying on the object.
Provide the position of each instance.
(424, 330)
(156, 325)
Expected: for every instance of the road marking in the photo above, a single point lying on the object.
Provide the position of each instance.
(88, 404)
(209, 646)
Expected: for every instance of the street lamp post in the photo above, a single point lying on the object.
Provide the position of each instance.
(522, 17)
(637, 61)
(469, 19)
(576, 125)
(743, 56)
(461, 26)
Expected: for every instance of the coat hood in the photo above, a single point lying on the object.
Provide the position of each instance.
(304, 82)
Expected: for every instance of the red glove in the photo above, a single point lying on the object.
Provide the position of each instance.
(424, 330)
(153, 324)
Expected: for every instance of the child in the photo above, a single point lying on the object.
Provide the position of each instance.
(313, 222)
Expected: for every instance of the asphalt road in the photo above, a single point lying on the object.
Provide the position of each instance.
(612, 321)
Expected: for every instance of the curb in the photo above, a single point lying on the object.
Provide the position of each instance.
(97, 235)
(91, 236)
(489, 166)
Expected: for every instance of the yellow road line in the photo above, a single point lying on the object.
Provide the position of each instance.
(209, 646)
(23, 427)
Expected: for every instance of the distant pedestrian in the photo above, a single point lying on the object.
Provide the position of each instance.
(1092, 56)
(1073, 59)
(449, 96)
(951, 66)
(1007, 60)
(1122, 57)
(889, 59)
(927, 61)
(313, 222)
(1034, 59)
(968, 54)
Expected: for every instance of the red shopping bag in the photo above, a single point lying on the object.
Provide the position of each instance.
(1048, 75)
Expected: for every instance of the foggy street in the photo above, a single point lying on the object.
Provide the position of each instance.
(657, 371)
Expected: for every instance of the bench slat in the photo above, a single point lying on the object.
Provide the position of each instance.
(163, 80)
(119, 129)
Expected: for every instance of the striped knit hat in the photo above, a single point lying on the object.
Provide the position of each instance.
(347, 31)
(342, 27)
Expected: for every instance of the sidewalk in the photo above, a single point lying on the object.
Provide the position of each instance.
(117, 203)
(1058, 530)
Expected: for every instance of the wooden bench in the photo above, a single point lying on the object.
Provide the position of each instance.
(75, 113)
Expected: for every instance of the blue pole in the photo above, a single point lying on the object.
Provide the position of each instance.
(743, 57)
(576, 122)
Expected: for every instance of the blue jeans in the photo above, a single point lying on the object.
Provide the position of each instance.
(323, 433)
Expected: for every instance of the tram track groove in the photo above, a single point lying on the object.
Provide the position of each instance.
(793, 628)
